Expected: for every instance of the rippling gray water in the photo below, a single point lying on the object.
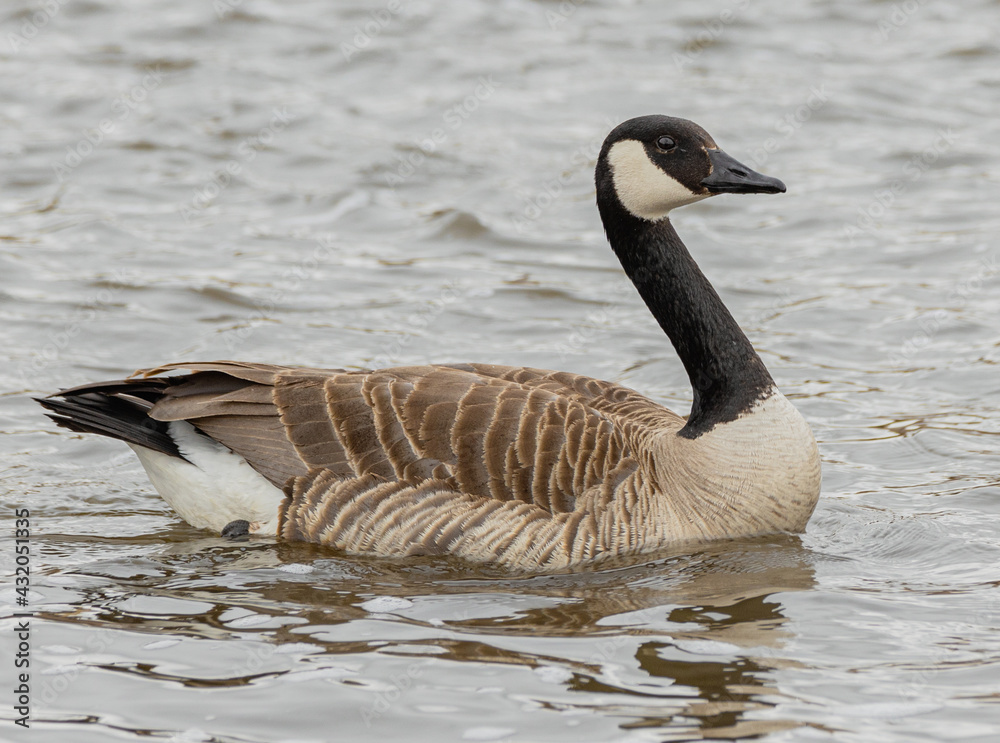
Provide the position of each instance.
(400, 182)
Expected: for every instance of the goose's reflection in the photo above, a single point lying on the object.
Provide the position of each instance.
(689, 640)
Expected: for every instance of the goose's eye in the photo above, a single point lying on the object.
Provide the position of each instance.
(666, 143)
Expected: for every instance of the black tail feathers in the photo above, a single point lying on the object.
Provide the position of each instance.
(117, 410)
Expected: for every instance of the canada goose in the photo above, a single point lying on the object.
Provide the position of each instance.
(522, 467)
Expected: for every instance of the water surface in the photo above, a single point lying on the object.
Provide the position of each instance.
(356, 185)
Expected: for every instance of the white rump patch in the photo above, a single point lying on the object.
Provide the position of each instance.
(645, 190)
(214, 487)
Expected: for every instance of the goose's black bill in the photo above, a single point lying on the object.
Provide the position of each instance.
(729, 175)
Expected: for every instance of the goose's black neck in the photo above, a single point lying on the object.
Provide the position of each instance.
(727, 376)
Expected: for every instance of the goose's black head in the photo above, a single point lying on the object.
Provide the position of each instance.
(652, 164)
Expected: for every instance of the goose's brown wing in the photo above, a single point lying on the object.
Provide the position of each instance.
(497, 432)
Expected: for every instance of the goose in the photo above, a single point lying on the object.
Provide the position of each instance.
(525, 468)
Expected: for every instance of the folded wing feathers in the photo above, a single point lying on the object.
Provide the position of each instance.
(248, 371)
(261, 440)
(475, 459)
(304, 407)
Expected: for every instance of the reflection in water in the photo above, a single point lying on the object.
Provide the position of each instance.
(673, 643)
(728, 687)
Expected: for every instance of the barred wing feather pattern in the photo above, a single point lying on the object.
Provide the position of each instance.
(508, 464)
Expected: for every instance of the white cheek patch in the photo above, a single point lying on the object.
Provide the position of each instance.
(645, 190)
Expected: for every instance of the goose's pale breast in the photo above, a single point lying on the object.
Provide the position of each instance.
(757, 474)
